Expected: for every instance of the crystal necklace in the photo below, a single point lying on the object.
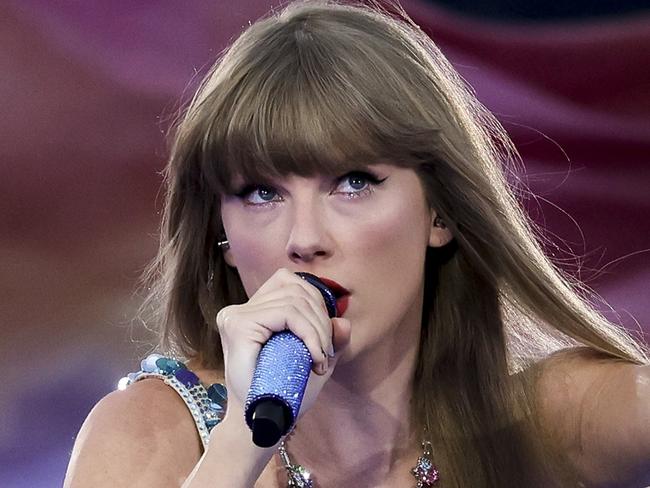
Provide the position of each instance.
(425, 472)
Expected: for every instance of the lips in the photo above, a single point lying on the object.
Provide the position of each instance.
(342, 305)
(341, 294)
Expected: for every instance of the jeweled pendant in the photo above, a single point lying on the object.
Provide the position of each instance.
(425, 473)
(299, 477)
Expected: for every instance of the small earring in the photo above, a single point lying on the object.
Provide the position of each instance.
(223, 245)
(438, 222)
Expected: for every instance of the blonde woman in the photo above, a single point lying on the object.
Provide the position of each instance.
(336, 139)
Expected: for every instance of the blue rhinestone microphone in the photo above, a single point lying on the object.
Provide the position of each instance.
(280, 379)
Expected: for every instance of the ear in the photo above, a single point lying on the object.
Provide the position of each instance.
(229, 258)
(225, 250)
(439, 234)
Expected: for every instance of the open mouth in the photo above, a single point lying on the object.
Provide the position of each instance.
(340, 293)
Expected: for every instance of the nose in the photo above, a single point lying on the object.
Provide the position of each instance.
(308, 236)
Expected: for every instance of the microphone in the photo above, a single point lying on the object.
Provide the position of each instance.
(280, 379)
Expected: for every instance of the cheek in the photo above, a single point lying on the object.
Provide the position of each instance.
(395, 233)
(392, 247)
(255, 251)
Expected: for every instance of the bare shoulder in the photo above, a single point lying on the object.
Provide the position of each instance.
(597, 410)
(141, 436)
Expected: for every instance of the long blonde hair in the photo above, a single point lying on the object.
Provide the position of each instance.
(322, 87)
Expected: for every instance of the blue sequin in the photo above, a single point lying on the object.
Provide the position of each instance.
(186, 377)
(217, 393)
(170, 366)
(215, 406)
(284, 365)
(211, 423)
(148, 364)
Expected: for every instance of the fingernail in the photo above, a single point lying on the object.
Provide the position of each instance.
(330, 352)
(323, 368)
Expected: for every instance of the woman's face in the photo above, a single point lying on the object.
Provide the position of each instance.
(366, 230)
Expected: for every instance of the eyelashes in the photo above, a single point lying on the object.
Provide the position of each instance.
(262, 190)
(249, 189)
(363, 175)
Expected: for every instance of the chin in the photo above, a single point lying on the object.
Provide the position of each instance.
(359, 344)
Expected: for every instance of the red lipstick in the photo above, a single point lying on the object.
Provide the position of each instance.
(342, 295)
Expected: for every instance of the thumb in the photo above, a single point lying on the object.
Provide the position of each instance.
(341, 333)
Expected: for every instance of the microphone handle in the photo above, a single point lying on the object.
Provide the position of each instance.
(280, 379)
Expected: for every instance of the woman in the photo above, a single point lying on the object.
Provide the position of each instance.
(337, 140)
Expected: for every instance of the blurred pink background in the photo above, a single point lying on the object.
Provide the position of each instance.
(87, 91)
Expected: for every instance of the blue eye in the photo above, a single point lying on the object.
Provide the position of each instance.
(264, 192)
(355, 184)
(357, 179)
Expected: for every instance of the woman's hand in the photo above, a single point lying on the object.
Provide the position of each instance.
(284, 301)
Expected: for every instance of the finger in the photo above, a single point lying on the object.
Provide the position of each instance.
(281, 276)
(313, 307)
(341, 334)
(295, 289)
(322, 311)
(284, 277)
(232, 324)
(276, 318)
(257, 322)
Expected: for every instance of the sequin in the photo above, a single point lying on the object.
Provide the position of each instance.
(186, 377)
(217, 393)
(148, 364)
(168, 365)
(282, 372)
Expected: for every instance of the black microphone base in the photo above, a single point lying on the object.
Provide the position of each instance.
(269, 422)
